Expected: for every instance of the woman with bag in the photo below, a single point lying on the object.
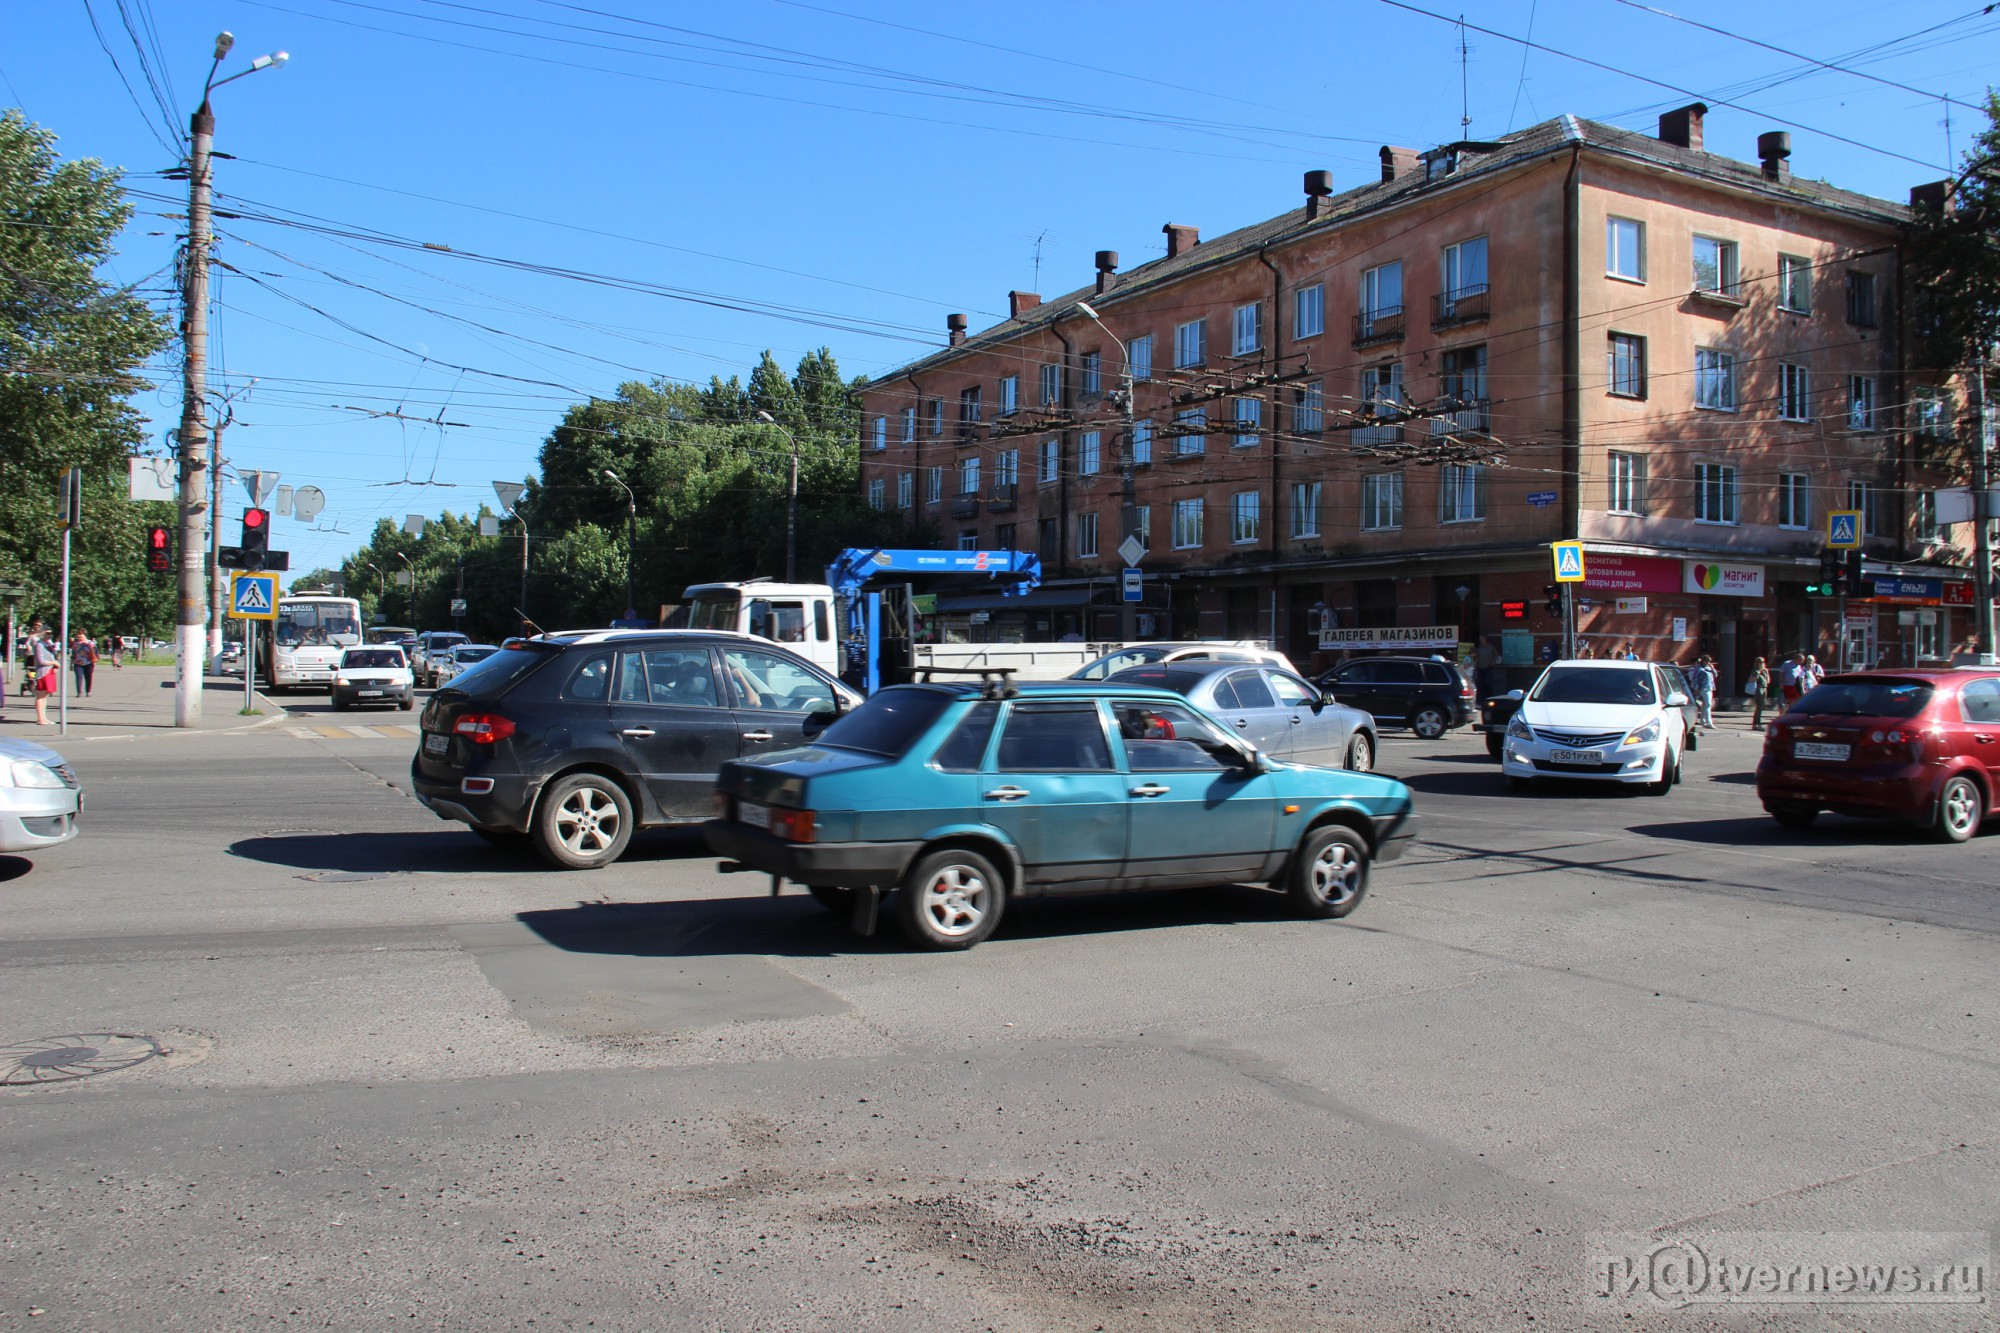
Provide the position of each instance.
(82, 662)
(43, 664)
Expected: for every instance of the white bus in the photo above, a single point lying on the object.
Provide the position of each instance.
(305, 641)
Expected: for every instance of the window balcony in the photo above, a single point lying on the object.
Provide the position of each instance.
(965, 504)
(1468, 305)
(1731, 296)
(1006, 494)
(1372, 327)
(1470, 417)
(1375, 436)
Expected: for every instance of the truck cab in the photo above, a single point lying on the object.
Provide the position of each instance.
(801, 616)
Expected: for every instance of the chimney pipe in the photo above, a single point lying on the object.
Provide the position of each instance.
(1683, 126)
(1181, 238)
(1936, 197)
(1397, 162)
(1773, 148)
(1319, 185)
(955, 323)
(1020, 303)
(1107, 269)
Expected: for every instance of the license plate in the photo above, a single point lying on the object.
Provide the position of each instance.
(756, 816)
(1814, 750)
(371, 694)
(1575, 757)
(436, 743)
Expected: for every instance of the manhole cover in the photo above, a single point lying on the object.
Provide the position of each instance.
(78, 1055)
(343, 876)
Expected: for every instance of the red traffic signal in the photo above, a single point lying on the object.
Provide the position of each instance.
(256, 537)
(159, 549)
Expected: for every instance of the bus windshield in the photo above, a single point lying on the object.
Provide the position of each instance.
(330, 622)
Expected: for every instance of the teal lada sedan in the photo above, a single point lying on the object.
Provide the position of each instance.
(955, 797)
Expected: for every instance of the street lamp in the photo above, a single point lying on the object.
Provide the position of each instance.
(381, 590)
(791, 501)
(1128, 518)
(631, 541)
(413, 585)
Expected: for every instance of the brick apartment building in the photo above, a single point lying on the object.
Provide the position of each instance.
(1380, 408)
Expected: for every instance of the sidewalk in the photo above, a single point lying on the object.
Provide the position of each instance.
(134, 701)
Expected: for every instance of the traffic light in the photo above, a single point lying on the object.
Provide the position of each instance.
(159, 549)
(256, 537)
(1554, 592)
(1853, 569)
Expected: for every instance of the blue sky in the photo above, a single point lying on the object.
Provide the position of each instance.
(784, 174)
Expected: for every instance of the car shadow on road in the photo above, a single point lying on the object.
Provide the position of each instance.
(1828, 833)
(450, 849)
(13, 867)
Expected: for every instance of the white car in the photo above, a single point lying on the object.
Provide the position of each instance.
(374, 674)
(39, 797)
(1598, 721)
(1185, 650)
(458, 659)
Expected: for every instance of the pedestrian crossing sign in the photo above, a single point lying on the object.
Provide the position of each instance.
(253, 596)
(1843, 529)
(1569, 561)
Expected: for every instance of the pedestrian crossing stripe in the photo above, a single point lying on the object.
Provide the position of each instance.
(1569, 561)
(354, 731)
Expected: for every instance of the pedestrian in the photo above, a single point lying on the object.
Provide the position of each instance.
(1626, 654)
(43, 663)
(1701, 679)
(1811, 674)
(1790, 679)
(1760, 689)
(82, 662)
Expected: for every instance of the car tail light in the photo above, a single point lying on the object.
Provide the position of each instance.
(718, 805)
(483, 728)
(793, 825)
(1465, 690)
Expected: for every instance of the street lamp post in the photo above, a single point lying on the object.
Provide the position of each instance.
(413, 587)
(381, 590)
(791, 501)
(631, 541)
(196, 445)
(1128, 515)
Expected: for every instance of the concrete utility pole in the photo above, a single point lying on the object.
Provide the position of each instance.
(1982, 522)
(1128, 481)
(631, 541)
(791, 501)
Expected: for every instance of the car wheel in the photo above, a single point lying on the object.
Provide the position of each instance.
(500, 835)
(1789, 815)
(1668, 778)
(409, 702)
(1960, 810)
(1329, 872)
(833, 900)
(1520, 786)
(339, 705)
(584, 822)
(1429, 723)
(951, 899)
(1361, 753)
(1495, 743)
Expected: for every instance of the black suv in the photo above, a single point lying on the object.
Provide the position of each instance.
(573, 740)
(1429, 697)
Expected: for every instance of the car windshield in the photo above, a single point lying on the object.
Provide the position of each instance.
(888, 723)
(370, 657)
(1866, 698)
(1594, 685)
(1120, 661)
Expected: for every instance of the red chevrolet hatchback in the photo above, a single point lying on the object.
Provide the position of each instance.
(1919, 746)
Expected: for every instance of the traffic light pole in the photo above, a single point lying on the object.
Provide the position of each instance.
(1982, 520)
(191, 628)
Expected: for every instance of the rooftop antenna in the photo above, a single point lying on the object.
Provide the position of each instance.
(1038, 257)
(1949, 156)
(1464, 93)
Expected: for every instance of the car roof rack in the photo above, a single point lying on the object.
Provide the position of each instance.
(994, 682)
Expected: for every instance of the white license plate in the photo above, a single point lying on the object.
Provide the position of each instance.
(1575, 757)
(1815, 750)
(370, 694)
(436, 743)
(756, 816)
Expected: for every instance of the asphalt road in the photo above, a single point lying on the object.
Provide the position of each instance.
(417, 1080)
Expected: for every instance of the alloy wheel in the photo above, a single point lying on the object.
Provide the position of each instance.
(954, 900)
(587, 822)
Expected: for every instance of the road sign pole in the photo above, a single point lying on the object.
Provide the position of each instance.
(249, 665)
(1569, 620)
(62, 646)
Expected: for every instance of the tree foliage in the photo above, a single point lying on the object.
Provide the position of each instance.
(1955, 257)
(70, 349)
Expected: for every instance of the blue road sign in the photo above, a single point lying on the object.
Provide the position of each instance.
(1569, 561)
(1843, 529)
(1542, 499)
(1134, 586)
(253, 596)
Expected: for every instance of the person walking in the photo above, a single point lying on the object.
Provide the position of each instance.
(82, 662)
(43, 663)
(1701, 679)
(1760, 690)
(1811, 674)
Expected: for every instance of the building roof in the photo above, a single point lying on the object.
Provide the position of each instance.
(1475, 160)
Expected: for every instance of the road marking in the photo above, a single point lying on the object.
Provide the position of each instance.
(354, 731)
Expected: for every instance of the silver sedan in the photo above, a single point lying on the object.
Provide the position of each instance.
(1278, 711)
(39, 797)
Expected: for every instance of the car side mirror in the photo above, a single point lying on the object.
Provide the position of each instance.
(1677, 700)
(819, 717)
(1326, 700)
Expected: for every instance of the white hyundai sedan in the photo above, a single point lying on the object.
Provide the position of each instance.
(1598, 722)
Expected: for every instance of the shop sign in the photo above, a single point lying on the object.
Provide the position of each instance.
(1631, 606)
(1632, 573)
(1957, 594)
(1422, 636)
(1716, 578)
(1907, 590)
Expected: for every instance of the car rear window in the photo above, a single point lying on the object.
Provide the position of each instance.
(1867, 698)
(889, 722)
(497, 674)
(1594, 685)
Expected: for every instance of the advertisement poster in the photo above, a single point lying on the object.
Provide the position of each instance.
(1719, 578)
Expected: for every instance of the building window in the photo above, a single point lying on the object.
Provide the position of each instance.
(1794, 500)
(1093, 372)
(1628, 365)
(1628, 483)
(909, 424)
(968, 539)
(968, 475)
(1010, 394)
(1243, 517)
(1048, 539)
(1305, 508)
(1142, 518)
(1866, 496)
(1861, 402)
(1930, 413)
(1142, 443)
(1625, 249)
(1861, 299)
(1086, 534)
(1794, 400)
(1190, 343)
(1462, 493)
(1141, 353)
(1248, 414)
(1382, 387)
(1462, 377)
(1051, 460)
(1714, 379)
(936, 414)
(1007, 467)
(1191, 431)
(1381, 297)
(1715, 268)
(1309, 311)
(1187, 524)
(1004, 535)
(878, 430)
(1247, 329)
(1929, 530)
(1382, 502)
(876, 486)
(1714, 493)
(1052, 385)
(1795, 284)
(906, 490)
(1464, 272)
(1089, 450)
(968, 407)
(934, 484)
(1310, 418)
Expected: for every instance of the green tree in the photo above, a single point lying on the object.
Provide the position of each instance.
(1955, 257)
(70, 350)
